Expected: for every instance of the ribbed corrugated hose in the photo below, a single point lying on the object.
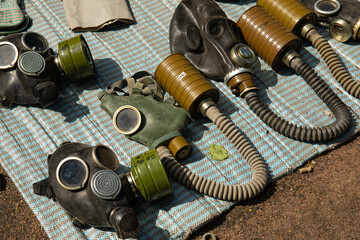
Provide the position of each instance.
(227, 192)
(304, 133)
(333, 62)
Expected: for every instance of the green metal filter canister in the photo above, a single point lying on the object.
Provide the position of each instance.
(149, 176)
(75, 58)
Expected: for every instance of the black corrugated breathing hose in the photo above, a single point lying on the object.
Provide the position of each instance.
(333, 62)
(304, 133)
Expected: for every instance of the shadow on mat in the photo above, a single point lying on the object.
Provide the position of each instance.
(73, 92)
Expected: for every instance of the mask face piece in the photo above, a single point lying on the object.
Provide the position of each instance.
(142, 118)
(82, 179)
(30, 71)
(201, 31)
(86, 190)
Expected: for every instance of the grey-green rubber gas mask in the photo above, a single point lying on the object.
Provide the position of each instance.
(31, 73)
(84, 180)
(142, 116)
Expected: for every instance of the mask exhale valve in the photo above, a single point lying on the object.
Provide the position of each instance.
(278, 47)
(300, 20)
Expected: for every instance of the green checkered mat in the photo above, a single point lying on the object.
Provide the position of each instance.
(29, 134)
(11, 15)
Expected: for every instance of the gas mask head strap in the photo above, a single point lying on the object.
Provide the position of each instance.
(141, 83)
(43, 188)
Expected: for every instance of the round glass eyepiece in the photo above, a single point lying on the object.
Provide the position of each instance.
(127, 119)
(72, 173)
(104, 157)
(8, 55)
(327, 7)
(35, 42)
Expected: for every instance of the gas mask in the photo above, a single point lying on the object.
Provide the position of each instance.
(82, 179)
(201, 31)
(142, 115)
(31, 73)
(342, 17)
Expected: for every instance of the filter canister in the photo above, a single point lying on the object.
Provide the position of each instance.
(267, 37)
(185, 83)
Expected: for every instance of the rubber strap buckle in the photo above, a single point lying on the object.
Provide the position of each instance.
(43, 188)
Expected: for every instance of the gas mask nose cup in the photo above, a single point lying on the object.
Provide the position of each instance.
(75, 58)
(8, 55)
(72, 173)
(106, 184)
(34, 42)
(105, 158)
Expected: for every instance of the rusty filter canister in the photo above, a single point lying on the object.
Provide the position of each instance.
(185, 83)
(291, 13)
(267, 37)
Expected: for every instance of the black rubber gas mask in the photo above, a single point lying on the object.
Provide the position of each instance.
(342, 17)
(31, 73)
(201, 31)
(85, 182)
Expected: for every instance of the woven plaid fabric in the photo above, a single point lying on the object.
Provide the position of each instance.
(29, 134)
(10, 14)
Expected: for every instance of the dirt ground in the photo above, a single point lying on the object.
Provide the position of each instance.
(323, 204)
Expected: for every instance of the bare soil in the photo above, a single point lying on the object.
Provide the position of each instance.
(322, 204)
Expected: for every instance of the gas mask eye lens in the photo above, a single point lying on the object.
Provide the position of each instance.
(327, 7)
(104, 157)
(35, 42)
(127, 119)
(8, 55)
(72, 173)
(216, 29)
